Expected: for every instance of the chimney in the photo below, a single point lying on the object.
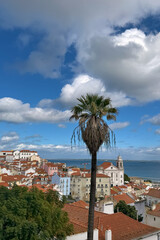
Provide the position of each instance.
(108, 234)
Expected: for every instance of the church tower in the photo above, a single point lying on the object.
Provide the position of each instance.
(119, 163)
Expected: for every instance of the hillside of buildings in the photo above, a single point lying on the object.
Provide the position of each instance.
(27, 169)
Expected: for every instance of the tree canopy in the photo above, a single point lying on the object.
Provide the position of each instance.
(32, 215)
(127, 210)
(126, 178)
(92, 128)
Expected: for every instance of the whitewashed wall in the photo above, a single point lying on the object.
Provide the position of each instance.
(83, 236)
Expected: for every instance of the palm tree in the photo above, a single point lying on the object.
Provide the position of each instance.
(94, 131)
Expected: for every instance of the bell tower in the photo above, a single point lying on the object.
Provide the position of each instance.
(119, 163)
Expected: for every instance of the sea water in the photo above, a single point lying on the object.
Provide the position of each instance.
(144, 169)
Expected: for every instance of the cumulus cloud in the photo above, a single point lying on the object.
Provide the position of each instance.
(81, 85)
(119, 125)
(127, 64)
(15, 111)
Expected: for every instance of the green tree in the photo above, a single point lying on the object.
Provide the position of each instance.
(32, 215)
(94, 131)
(126, 178)
(126, 209)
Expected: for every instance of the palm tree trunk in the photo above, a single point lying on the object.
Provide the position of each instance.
(92, 196)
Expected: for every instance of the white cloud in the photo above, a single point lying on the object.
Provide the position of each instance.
(9, 137)
(15, 111)
(128, 62)
(155, 120)
(119, 125)
(61, 126)
(53, 151)
(81, 85)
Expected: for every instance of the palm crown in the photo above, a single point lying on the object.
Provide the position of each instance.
(90, 112)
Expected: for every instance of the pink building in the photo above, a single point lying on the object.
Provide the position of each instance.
(50, 168)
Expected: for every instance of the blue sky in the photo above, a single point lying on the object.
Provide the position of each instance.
(53, 51)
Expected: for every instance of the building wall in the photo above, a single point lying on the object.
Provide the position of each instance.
(151, 200)
(50, 169)
(116, 175)
(65, 185)
(27, 154)
(80, 187)
(140, 207)
(83, 236)
(152, 237)
(153, 221)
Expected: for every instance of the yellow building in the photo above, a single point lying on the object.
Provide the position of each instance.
(80, 186)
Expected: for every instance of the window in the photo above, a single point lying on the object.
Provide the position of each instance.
(112, 174)
(100, 180)
(154, 219)
(106, 185)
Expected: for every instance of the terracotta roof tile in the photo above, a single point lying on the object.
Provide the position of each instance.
(80, 203)
(105, 165)
(123, 197)
(122, 226)
(156, 211)
(154, 193)
(113, 192)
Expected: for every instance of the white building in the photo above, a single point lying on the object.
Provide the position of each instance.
(152, 197)
(116, 173)
(24, 154)
(153, 216)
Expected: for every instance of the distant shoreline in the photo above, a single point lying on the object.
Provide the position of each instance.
(84, 159)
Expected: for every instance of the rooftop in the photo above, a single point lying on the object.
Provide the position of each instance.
(122, 226)
(154, 193)
(156, 211)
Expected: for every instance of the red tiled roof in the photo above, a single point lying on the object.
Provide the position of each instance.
(80, 203)
(105, 165)
(4, 184)
(113, 192)
(156, 211)
(7, 151)
(117, 189)
(76, 174)
(154, 193)
(122, 186)
(28, 151)
(123, 197)
(122, 226)
(78, 226)
(75, 169)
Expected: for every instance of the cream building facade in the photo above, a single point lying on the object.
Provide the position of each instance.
(116, 173)
(80, 186)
